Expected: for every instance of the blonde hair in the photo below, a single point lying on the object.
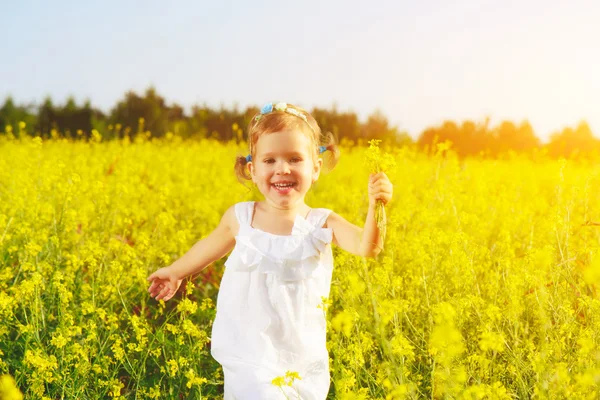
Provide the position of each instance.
(277, 121)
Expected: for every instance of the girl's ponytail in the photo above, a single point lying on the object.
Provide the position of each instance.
(331, 156)
(241, 170)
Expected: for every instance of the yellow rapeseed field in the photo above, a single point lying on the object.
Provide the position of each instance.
(487, 288)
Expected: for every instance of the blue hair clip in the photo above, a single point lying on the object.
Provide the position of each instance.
(248, 158)
(283, 107)
(267, 108)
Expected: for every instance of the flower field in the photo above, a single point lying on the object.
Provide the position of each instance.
(487, 287)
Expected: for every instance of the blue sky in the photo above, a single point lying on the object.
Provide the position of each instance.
(419, 63)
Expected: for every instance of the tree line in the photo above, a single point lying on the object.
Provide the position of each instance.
(135, 114)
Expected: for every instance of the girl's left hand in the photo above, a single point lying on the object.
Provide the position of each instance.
(380, 188)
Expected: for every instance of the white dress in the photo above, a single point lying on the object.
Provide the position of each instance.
(268, 321)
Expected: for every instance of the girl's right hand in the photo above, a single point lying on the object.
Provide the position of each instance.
(164, 284)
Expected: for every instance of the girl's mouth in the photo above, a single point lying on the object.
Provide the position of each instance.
(283, 187)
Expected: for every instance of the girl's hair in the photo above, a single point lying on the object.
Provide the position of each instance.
(277, 121)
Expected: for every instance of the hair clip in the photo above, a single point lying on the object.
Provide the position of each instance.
(283, 107)
(267, 108)
(248, 158)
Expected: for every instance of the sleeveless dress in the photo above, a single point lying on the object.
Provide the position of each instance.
(268, 321)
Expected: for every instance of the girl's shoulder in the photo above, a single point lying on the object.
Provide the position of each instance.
(238, 214)
(230, 218)
(330, 216)
(320, 216)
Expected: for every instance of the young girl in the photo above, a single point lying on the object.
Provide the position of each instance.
(268, 320)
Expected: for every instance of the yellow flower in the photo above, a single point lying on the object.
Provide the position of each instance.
(189, 288)
(279, 381)
(171, 328)
(173, 367)
(59, 341)
(287, 380)
(343, 322)
(193, 379)
(187, 306)
(192, 329)
(292, 375)
(325, 303)
(356, 284)
(117, 349)
(491, 341)
(155, 392)
(96, 136)
(207, 303)
(6, 304)
(378, 162)
(402, 347)
(115, 388)
(9, 389)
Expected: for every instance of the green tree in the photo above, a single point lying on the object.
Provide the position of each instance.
(151, 107)
(11, 114)
(340, 124)
(574, 143)
(377, 127)
(46, 117)
(510, 137)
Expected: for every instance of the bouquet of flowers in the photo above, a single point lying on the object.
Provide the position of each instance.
(378, 161)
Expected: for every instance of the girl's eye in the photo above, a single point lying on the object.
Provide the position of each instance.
(294, 160)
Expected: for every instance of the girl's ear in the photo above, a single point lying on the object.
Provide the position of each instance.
(317, 169)
(250, 167)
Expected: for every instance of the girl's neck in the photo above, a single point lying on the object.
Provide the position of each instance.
(289, 212)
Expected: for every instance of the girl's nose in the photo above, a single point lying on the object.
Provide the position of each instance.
(283, 167)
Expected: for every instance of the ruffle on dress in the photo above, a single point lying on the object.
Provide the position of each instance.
(291, 258)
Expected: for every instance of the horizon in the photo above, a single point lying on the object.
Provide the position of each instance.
(415, 137)
(467, 61)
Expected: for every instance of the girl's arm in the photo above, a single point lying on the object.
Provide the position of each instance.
(166, 281)
(366, 241)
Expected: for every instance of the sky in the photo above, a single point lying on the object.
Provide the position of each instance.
(417, 62)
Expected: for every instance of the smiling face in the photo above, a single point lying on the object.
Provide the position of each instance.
(284, 167)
